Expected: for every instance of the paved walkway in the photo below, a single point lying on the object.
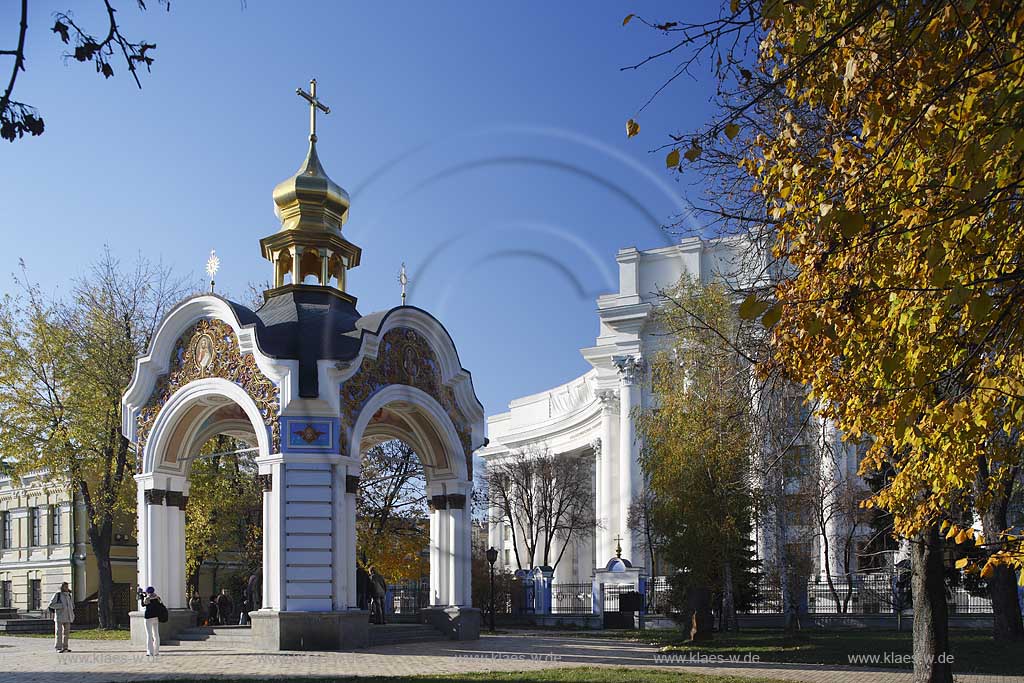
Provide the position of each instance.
(31, 660)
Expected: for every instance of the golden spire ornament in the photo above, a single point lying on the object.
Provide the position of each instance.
(212, 266)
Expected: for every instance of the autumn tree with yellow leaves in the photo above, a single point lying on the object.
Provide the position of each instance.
(878, 148)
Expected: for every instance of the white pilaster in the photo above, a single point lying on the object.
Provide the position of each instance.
(607, 492)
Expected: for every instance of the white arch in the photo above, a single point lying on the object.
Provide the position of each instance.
(183, 399)
(455, 455)
(156, 362)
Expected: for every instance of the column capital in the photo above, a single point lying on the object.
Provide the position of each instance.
(266, 482)
(154, 496)
(609, 399)
(439, 502)
(456, 501)
(351, 483)
(595, 445)
(630, 367)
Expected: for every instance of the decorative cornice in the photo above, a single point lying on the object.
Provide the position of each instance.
(351, 483)
(154, 496)
(456, 501)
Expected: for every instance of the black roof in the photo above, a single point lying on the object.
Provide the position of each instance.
(305, 324)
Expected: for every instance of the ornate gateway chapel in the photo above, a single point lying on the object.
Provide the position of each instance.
(311, 384)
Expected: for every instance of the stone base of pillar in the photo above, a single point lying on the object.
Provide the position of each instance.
(457, 623)
(274, 631)
(177, 621)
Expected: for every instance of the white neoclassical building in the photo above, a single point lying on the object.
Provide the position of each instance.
(590, 416)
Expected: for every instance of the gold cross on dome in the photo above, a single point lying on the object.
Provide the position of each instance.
(314, 104)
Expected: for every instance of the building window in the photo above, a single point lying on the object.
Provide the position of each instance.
(508, 533)
(57, 533)
(5, 594)
(35, 594)
(508, 557)
(37, 526)
(6, 540)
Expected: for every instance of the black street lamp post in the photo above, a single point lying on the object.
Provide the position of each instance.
(492, 557)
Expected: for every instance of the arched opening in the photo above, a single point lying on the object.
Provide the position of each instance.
(393, 529)
(405, 424)
(201, 455)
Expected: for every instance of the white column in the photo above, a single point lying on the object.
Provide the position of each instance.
(142, 535)
(267, 482)
(155, 558)
(460, 544)
(607, 492)
(277, 537)
(346, 486)
(629, 452)
(440, 550)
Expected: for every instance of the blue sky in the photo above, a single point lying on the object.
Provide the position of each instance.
(483, 144)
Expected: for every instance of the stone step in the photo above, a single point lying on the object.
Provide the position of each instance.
(26, 625)
(216, 634)
(395, 634)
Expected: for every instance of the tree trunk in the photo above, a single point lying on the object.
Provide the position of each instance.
(100, 538)
(698, 606)
(728, 598)
(1007, 625)
(931, 627)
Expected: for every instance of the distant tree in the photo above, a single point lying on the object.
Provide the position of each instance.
(392, 525)
(18, 118)
(546, 501)
(225, 509)
(63, 368)
(697, 451)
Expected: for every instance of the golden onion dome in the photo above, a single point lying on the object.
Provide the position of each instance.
(310, 200)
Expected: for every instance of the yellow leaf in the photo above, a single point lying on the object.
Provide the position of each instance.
(752, 307)
(632, 128)
(989, 569)
(734, 6)
(693, 153)
(961, 563)
(962, 537)
(731, 130)
(629, 18)
(772, 316)
(672, 160)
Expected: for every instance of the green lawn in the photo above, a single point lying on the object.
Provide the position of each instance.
(570, 675)
(973, 651)
(85, 634)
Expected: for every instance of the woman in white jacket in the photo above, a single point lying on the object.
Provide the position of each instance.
(63, 607)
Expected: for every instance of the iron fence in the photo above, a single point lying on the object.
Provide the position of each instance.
(657, 598)
(572, 598)
(865, 593)
(407, 599)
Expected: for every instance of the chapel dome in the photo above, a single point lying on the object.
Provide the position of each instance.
(310, 200)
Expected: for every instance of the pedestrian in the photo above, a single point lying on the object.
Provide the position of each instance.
(243, 614)
(63, 607)
(195, 604)
(224, 606)
(214, 612)
(151, 601)
(378, 592)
